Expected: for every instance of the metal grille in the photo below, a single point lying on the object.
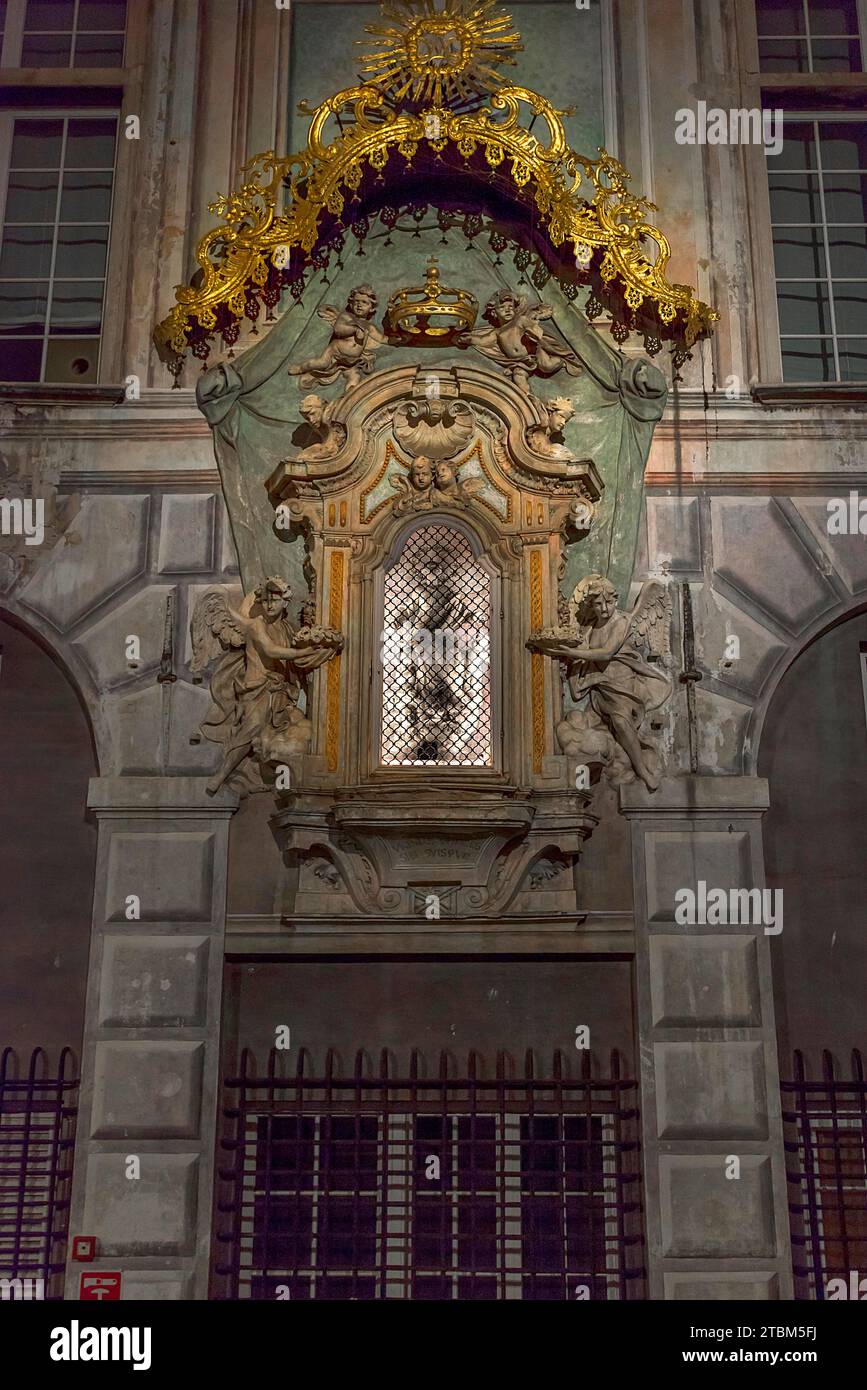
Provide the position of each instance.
(37, 1136)
(429, 1186)
(826, 1166)
(436, 670)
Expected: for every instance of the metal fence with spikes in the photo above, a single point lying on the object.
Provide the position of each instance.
(825, 1122)
(429, 1184)
(37, 1137)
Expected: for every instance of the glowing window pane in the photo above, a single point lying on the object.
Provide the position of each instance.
(436, 667)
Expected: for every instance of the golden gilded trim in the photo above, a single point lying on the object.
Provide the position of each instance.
(390, 453)
(440, 55)
(537, 661)
(581, 200)
(332, 686)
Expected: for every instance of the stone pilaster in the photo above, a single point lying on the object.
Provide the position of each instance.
(709, 1080)
(150, 1064)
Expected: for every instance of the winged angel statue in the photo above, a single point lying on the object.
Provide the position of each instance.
(612, 660)
(258, 682)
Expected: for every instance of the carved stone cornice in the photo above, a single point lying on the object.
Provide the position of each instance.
(473, 852)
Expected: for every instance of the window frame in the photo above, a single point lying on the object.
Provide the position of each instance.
(13, 40)
(8, 118)
(376, 768)
(861, 12)
(828, 117)
(839, 93)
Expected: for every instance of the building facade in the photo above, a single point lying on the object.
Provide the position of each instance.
(434, 676)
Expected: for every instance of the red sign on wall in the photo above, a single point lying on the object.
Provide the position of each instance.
(99, 1288)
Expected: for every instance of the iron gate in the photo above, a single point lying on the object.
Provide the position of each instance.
(37, 1138)
(825, 1121)
(428, 1186)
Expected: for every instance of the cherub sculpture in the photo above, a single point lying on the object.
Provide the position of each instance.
(516, 341)
(547, 438)
(353, 345)
(260, 677)
(414, 488)
(448, 487)
(605, 653)
(325, 436)
(430, 485)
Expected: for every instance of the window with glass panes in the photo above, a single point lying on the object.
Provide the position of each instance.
(56, 217)
(810, 35)
(64, 33)
(818, 196)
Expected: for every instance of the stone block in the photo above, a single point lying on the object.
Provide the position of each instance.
(708, 981)
(705, 1215)
(722, 1288)
(153, 982)
(154, 1286)
(190, 704)
(716, 620)
(722, 732)
(678, 859)
(187, 533)
(103, 550)
(228, 553)
(147, 1090)
(711, 1090)
(758, 553)
(847, 554)
(152, 1215)
(170, 871)
(673, 534)
(104, 644)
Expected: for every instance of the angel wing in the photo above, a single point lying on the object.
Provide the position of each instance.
(650, 620)
(401, 484)
(214, 628)
(472, 486)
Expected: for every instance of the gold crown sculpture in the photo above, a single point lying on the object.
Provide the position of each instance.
(431, 317)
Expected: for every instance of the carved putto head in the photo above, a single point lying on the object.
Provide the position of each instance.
(312, 409)
(560, 411)
(501, 307)
(420, 473)
(363, 301)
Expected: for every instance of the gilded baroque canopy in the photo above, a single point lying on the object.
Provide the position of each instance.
(436, 116)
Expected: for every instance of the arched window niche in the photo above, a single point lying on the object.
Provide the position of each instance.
(437, 685)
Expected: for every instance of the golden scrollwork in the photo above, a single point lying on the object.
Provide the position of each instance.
(581, 200)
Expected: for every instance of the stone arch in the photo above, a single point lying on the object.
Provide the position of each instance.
(812, 753)
(74, 669)
(48, 751)
(815, 633)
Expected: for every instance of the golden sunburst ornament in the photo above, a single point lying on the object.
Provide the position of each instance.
(440, 55)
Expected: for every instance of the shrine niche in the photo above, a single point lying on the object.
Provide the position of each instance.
(442, 457)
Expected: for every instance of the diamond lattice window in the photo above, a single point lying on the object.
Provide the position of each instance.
(436, 667)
